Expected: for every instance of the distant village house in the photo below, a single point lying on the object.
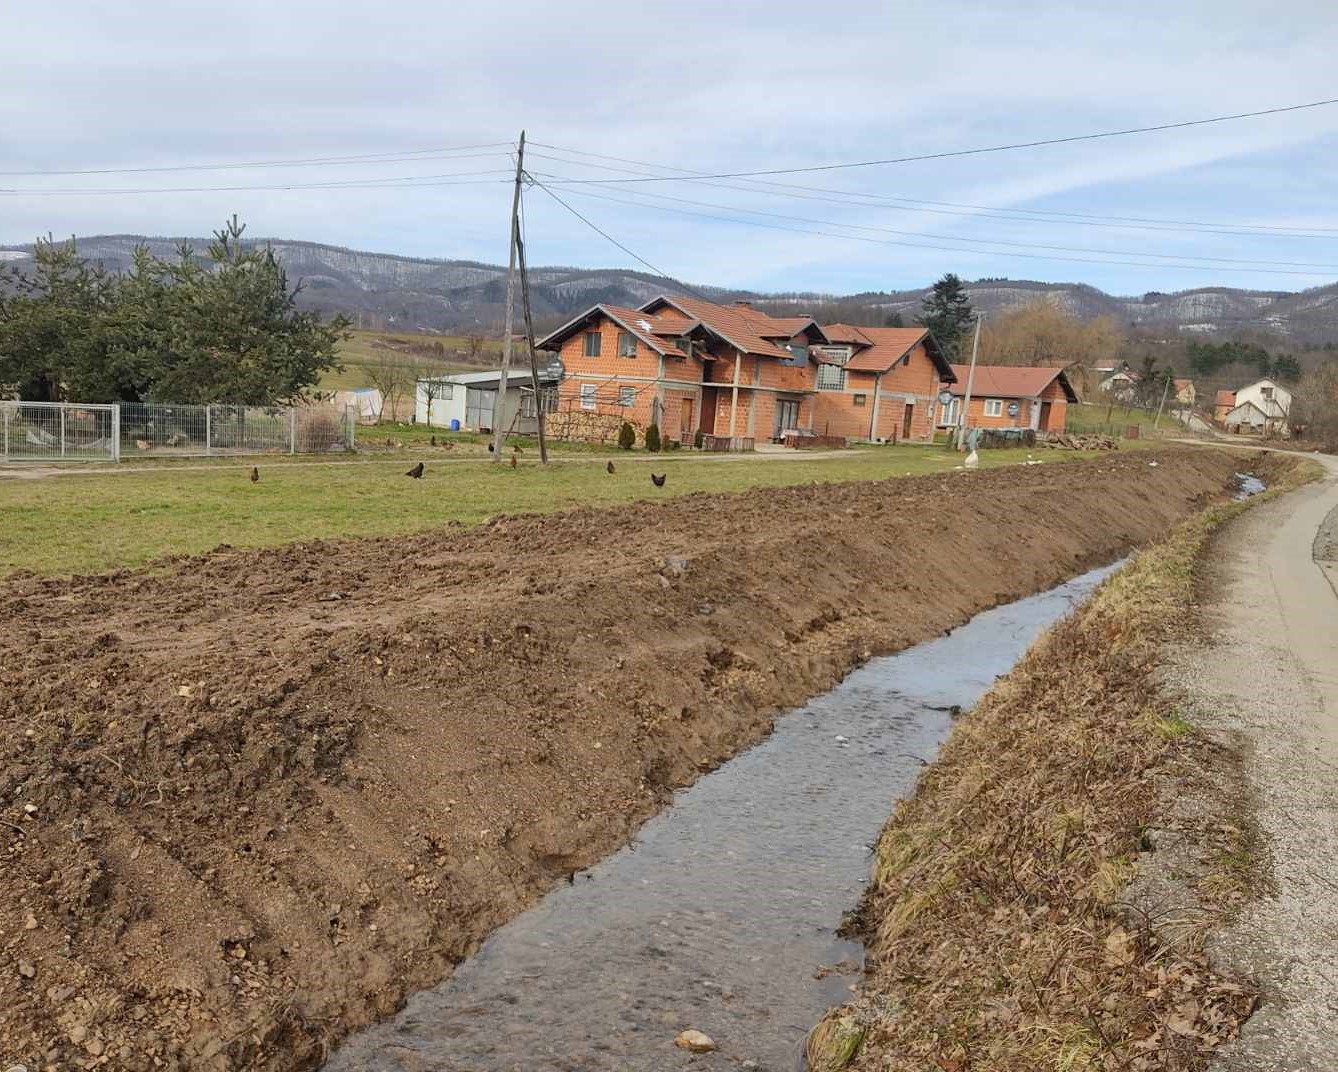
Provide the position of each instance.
(1011, 397)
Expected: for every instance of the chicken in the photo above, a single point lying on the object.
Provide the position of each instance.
(416, 472)
(255, 474)
(609, 468)
(434, 439)
(658, 480)
(513, 461)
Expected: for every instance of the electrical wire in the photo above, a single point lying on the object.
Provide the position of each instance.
(393, 182)
(1010, 147)
(941, 248)
(373, 158)
(1246, 261)
(857, 199)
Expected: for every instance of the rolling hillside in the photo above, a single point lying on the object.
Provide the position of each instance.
(386, 292)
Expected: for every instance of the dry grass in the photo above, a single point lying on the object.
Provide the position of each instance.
(997, 935)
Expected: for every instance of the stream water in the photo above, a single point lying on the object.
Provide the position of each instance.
(722, 914)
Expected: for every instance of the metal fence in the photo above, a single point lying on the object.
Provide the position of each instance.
(55, 431)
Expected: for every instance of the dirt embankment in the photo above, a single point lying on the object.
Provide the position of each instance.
(1011, 921)
(251, 800)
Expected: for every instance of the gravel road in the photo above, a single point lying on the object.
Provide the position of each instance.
(1267, 677)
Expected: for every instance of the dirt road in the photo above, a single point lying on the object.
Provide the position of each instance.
(250, 800)
(1265, 683)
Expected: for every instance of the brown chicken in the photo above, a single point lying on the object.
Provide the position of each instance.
(609, 468)
(416, 472)
(255, 475)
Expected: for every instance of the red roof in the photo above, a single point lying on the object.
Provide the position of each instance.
(878, 349)
(1224, 398)
(744, 327)
(1010, 381)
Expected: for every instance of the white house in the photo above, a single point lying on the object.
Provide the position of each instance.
(465, 401)
(1263, 406)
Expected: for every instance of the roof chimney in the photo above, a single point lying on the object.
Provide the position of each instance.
(745, 304)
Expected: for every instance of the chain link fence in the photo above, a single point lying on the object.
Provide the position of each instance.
(63, 431)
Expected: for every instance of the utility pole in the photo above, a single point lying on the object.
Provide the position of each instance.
(970, 382)
(499, 403)
(1165, 391)
(539, 415)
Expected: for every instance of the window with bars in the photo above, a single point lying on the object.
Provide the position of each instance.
(831, 378)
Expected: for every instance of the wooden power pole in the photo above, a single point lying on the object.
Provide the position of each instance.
(499, 403)
(970, 384)
(539, 415)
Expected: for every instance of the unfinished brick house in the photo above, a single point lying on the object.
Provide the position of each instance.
(731, 371)
(740, 375)
(878, 384)
(1011, 396)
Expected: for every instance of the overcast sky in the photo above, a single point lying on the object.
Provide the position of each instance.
(701, 86)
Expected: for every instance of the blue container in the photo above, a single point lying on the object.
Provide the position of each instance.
(455, 424)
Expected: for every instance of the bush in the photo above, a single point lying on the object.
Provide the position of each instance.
(627, 436)
(698, 439)
(652, 436)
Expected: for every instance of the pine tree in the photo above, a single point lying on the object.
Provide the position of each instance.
(947, 313)
(893, 320)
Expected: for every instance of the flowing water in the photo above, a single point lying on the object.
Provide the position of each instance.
(722, 914)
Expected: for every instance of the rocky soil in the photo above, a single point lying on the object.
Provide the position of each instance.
(251, 800)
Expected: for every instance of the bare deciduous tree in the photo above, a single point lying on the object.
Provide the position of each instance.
(1314, 411)
(1044, 333)
(392, 375)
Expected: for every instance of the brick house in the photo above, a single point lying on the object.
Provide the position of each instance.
(1011, 396)
(687, 364)
(741, 375)
(878, 384)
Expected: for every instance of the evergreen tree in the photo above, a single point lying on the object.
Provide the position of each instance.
(948, 315)
(893, 320)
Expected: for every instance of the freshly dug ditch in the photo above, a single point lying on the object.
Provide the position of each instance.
(251, 800)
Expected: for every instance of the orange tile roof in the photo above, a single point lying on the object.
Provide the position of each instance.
(1010, 381)
(846, 333)
(749, 329)
(1224, 398)
(878, 349)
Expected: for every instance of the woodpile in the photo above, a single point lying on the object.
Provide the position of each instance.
(1067, 441)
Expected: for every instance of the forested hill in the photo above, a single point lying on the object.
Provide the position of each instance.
(384, 291)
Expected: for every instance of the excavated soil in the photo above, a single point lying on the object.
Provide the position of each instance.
(251, 800)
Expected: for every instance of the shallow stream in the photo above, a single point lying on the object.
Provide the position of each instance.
(722, 914)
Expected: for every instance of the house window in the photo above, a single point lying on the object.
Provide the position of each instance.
(588, 391)
(549, 397)
(861, 399)
(626, 396)
(592, 341)
(994, 407)
(626, 344)
(1266, 392)
(831, 378)
(684, 343)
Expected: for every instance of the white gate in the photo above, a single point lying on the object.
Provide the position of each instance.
(59, 431)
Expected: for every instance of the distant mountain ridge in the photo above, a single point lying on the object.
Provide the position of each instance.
(385, 291)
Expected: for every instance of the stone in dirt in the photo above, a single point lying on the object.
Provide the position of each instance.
(695, 1041)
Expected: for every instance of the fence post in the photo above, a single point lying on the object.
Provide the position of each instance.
(62, 429)
(208, 441)
(116, 432)
(351, 429)
(6, 432)
(292, 429)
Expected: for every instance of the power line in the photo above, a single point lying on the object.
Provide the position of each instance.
(984, 149)
(979, 241)
(933, 246)
(950, 208)
(603, 233)
(392, 182)
(377, 158)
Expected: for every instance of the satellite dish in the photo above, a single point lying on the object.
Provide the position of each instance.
(945, 396)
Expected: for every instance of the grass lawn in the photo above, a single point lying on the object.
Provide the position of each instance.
(1113, 420)
(361, 349)
(102, 520)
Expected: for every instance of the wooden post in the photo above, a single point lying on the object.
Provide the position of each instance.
(1165, 391)
(499, 403)
(539, 415)
(970, 383)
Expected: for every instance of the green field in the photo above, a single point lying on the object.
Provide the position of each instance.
(97, 520)
(1093, 417)
(365, 348)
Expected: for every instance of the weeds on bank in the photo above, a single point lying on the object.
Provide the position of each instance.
(997, 936)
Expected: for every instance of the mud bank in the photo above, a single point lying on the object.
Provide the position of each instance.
(251, 800)
(1022, 912)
